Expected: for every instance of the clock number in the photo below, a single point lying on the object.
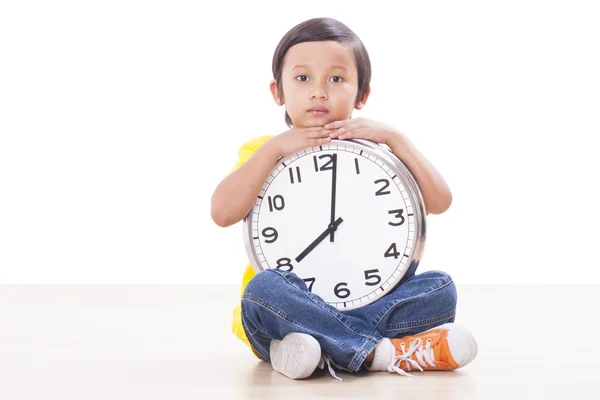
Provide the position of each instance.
(392, 251)
(371, 274)
(312, 281)
(297, 175)
(285, 262)
(270, 233)
(381, 191)
(398, 215)
(276, 202)
(341, 292)
(326, 166)
(356, 165)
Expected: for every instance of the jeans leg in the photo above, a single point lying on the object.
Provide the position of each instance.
(277, 302)
(419, 303)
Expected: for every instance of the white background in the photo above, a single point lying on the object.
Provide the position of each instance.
(119, 118)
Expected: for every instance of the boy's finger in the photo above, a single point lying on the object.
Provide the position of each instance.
(320, 141)
(336, 124)
(320, 133)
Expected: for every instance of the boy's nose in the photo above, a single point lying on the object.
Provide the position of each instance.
(318, 93)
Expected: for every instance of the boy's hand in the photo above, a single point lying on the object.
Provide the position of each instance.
(297, 139)
(361, 128)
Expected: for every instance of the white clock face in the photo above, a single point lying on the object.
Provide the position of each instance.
(375, 233)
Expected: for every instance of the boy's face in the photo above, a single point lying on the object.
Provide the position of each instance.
(318, 74)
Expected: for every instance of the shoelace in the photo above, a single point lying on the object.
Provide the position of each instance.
(326, 358)
(416, 347)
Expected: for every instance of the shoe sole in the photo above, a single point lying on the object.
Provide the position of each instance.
(296, 356)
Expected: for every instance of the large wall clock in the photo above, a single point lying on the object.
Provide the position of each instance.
(347, 217)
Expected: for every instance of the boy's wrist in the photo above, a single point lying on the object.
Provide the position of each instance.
(272, 147)
(395, 137)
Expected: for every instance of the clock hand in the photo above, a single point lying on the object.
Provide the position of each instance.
(333, 186)
(330, 228)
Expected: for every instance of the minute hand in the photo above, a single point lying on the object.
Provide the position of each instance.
(333, 186)
(330, 228)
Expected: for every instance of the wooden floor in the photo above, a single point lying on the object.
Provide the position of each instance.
(174, 342)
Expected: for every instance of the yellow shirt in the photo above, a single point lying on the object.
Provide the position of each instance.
(246, 151)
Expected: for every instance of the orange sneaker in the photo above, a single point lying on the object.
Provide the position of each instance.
(445, 347)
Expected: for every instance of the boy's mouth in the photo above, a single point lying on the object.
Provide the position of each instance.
(317, 109)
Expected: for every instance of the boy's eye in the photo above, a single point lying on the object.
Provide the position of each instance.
(304, 80)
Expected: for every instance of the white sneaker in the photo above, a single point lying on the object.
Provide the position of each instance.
(296, 356)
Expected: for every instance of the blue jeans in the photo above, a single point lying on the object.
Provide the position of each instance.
(277, 302)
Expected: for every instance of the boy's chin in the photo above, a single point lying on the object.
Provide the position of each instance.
(310, 125)
(313, 123)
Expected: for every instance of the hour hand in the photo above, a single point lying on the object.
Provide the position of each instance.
(331, 228)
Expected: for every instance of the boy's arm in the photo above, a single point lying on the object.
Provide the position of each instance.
(436, 193)
(235, 195)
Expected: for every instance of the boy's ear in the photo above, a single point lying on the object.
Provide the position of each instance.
(273, 87)
(363, 100)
